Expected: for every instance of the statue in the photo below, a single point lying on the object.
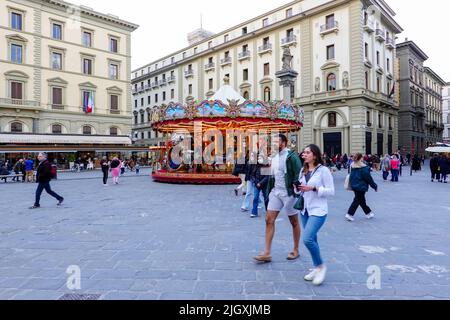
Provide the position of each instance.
(226, 80)
(345, 81)
(287, 59)
(317, 86)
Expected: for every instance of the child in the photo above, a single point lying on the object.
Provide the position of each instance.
(137, 167)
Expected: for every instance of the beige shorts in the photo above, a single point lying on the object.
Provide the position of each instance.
(278, 202)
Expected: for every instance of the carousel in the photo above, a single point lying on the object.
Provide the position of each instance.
(226, 111)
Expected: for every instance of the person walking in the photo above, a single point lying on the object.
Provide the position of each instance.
(416, 164)
(239, 171)
(316, 185)
(360, 180)
(250, 185)
(444, 168)
(105, 170)
(137, 167)
(123, 165)
(395, 167)
(43, 178)
(116, 167)
(18, 168)
(434, 166)
(285, 170)
(258, 181)
(386, 167)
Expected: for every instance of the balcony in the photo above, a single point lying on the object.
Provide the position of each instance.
(368, 26)
(141, 88)
(390, 44)
(114, 111)
(265, 48)
(244, 55)
(134, 90)
(225, 61)
(147, 87)
(18, 102)
(171, 79)
(189, 73)
(380, 70)
(329, 28)
(210, 66)
(162, 82)
(155, 84)
(289, 40)
(380, 35)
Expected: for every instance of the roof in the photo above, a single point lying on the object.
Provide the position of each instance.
(90, 12)
(412, 45)
(435, 75)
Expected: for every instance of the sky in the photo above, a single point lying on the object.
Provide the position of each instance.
(164, 24)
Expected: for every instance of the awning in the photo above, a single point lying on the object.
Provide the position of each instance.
(63, 139)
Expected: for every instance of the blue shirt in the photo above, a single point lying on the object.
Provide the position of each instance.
(29, 165)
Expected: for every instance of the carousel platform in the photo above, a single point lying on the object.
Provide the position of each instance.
(194, 178)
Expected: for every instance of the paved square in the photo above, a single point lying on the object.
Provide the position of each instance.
(142, 240)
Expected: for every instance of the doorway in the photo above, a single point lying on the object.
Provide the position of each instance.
(332, 143)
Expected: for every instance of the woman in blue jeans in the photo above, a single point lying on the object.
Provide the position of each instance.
(316, 185)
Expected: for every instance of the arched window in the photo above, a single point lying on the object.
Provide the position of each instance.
(266, 94)
(16, 127)
(246, 95)
(87, 130)
(113, 131)
(331, 82)
(56, 129)
(332, 119)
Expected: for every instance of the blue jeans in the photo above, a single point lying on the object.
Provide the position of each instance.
(395, 175)
(385, 175)
(248, 195)
(311, 226)
(46, 186)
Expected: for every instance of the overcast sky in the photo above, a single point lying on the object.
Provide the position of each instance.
(165, 24)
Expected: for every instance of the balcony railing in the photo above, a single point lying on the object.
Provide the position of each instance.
(210, 66)
(162, 82)
(265, 48)
(134, 90)
(390, 44)
(189, 73)
(155, 84)
(171, 79)
(225, 61)
(329, 28)
(244, 55)
(18, 102)
(57, 106)
(289, 40)
(380, 35)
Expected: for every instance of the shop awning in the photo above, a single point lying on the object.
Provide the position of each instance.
(63, 139)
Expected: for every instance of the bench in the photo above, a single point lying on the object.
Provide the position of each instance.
(11, 176)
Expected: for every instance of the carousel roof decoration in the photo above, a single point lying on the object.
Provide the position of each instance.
(227, 106)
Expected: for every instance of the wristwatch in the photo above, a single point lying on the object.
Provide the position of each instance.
(315, 189)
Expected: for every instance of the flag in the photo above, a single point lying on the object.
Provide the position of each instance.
(392, 91)
(88, 102)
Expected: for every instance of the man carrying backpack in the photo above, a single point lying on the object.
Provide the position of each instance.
(43, 177)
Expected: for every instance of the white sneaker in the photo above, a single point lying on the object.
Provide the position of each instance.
(349, 218)
(370, 216)
(311, 276)
(320, 276)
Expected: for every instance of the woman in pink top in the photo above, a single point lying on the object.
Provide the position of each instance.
(115, 170)
(395, 165)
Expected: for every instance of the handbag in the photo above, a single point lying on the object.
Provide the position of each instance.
(300, 204)
(347, 184)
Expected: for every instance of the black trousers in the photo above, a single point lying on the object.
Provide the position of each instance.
(359, 201)
(46, 186)
(105, 177)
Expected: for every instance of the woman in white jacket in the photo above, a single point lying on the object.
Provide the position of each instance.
(316, 185)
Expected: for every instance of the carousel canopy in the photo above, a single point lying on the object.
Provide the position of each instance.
(227, 93)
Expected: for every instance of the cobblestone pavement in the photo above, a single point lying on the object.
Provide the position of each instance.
(143, 240)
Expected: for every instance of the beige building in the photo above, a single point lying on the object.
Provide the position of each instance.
(64, 72)
(344, 52)
(434, 123)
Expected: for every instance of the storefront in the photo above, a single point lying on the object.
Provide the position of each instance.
(65, 150)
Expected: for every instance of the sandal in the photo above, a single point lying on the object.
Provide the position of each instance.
(263, 258)
(292, 256)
